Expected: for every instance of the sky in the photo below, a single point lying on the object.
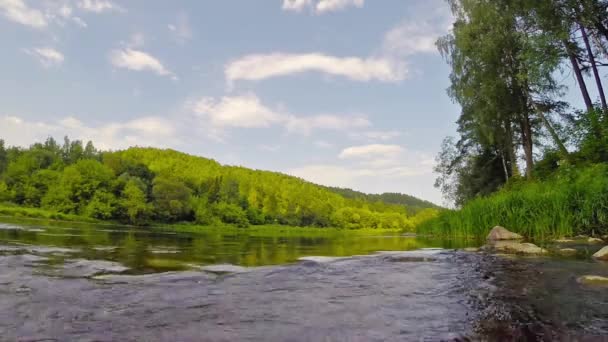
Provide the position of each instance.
(348, 93)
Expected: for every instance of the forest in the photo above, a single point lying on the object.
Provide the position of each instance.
(141, 186)
(524, 157)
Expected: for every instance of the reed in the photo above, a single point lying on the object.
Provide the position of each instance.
(573, 201)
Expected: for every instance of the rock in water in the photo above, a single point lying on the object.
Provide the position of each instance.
(593, 280)
(518, 248)
(567, 251)
(594, 240)
(602, 254)
(501, 233)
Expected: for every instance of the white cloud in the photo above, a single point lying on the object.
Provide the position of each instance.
(247, 111)
(371, 151)
(237, 111)
(324, 6)
(304, 125)
(259, 67)
(19, 12)
(47, 56)
(415, 35)
(409, 38)
(98, 6)
(320, 6)
(138, 61)
(144, 131)
(65, 11)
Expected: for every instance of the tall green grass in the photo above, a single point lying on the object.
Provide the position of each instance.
(574, 201)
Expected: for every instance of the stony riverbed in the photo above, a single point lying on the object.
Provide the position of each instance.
(395, 296)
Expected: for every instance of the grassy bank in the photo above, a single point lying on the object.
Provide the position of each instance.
(278, 230)
(573, 201)
(13, 211)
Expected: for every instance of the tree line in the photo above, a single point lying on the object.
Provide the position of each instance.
(509, 62)
(146, 185)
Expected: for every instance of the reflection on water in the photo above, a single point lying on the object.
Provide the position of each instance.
(146, 251)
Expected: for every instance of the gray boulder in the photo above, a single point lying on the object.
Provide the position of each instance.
(500, 233)
(515, 247)
(602, 254)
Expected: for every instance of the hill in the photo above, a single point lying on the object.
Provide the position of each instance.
(145, 185)
(412, 204)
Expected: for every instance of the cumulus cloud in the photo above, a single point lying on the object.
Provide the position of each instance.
(98, 6)
(320, 6)
(248, 111)
(138, 61)
(263, 66)
(244, 111)
(18, 11)
(47, 56)
(388, 63)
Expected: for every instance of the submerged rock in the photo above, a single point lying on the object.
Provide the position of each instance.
(87, 268)
(517, 248)
(409, 258)
(602, 254)
(593, 280)
(224, 268)
(594, 240)
(500, 233)
(567, 251)
(563, 240)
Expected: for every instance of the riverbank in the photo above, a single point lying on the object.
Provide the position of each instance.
(18, 212)
(571, 202)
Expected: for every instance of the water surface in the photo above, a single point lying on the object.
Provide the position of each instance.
(148, 250)
(65, 281)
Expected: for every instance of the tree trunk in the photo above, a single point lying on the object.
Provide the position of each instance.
(596, 74)
(579, 76)
(526, 135)
(558, 141)
(511, 150)
(504, 165)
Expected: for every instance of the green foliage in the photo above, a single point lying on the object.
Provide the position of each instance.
(144, 185)
(171, 199)
(134, 202)
(574, 201)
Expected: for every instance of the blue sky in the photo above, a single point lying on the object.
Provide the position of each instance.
(340, 92)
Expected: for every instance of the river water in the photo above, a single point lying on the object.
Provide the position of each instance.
(69, 282)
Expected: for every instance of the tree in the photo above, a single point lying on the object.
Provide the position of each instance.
(134, 201)
(171, 199)
(3, 157)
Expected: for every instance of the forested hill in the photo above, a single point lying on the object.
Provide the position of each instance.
(146, 185)
(413, 204)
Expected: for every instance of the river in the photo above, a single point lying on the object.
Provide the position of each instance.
(66, 282)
